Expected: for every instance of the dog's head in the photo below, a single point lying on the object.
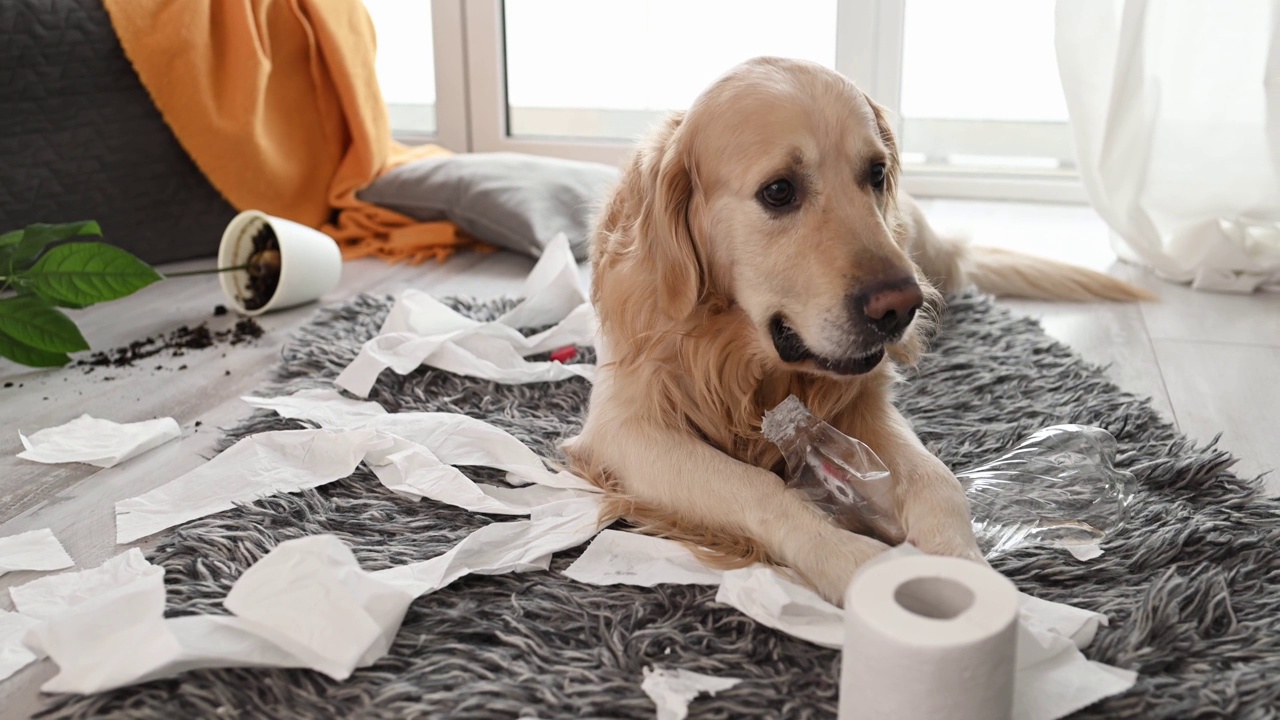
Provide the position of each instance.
(775, 192)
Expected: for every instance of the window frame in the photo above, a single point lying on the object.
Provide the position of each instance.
(450, 68)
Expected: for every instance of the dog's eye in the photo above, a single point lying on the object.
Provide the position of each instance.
(878, 172)
(778, 194)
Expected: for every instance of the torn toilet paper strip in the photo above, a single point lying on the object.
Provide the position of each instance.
(325, 407)
(306, 604)
(46, 597)
(504, 546)
(764, 595)
(41, 599)
(14, 655)
(255, 467)
(552, 289)
(34, 550)
(453, 438)
(411, 469)
(412, 454)
(1053, 678)
(490, 350)
(97, 442)
(615, 557)
(672, 689)
(420, 330)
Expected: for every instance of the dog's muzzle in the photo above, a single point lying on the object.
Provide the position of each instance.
(792, 349)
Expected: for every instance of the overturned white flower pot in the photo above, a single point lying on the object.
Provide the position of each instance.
(283, 264)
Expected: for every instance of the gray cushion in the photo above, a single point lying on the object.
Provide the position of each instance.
(511, 200)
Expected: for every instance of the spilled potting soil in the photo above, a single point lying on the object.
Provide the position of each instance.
(175, 344)
(264, 268)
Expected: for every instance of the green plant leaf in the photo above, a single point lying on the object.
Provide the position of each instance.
(33, 321)
(62, 303)
(84, 273)
(29, 356)
(8, 243)
(37, 237)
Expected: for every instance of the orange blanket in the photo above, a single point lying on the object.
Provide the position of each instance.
(278, 103)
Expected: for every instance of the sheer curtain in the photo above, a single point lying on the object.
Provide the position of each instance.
(1175, 111)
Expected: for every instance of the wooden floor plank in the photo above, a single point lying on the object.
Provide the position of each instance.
(1228, 389)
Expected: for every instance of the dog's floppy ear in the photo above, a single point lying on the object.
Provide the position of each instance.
(664, 240)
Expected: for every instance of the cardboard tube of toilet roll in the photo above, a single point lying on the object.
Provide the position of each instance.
(928, 637)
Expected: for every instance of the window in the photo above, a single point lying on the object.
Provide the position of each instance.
(586, 68)
(973, 86)
(406, 63)
(980, 87)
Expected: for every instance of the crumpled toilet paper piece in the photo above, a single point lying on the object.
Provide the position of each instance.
(44, 598)
(517, 546)
(551, 291)
(413, 454)
(255, 467)
(763, 594)
(306, 604)
(672, 689)
(454, 439)
(325, 407)
(13, 654)
(413, 470)
(97, 442)
(1053, 678)
(421, 330)
(34, 550)
(615, 557)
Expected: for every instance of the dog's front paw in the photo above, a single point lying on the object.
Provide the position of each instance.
(951, 541)
(831, 566)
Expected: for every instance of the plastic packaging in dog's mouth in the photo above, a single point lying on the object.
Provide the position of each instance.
(1058, 487)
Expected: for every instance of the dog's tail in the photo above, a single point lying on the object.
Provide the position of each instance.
(952, 264)
(1012, 274)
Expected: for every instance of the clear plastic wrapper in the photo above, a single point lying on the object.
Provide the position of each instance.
(1058, 487)
(837, 473)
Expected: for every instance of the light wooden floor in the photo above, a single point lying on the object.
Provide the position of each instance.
(1206, 361)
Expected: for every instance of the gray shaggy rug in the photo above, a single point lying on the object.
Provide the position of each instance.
(1192, 586)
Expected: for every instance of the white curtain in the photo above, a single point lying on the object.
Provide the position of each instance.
(1175, 110)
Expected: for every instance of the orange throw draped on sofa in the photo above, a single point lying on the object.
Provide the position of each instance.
(277, 102)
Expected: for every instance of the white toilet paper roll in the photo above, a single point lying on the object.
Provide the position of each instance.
(928, 638)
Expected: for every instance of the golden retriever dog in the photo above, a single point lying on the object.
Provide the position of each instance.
(757, 246)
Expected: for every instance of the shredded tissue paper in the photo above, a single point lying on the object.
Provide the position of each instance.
(306, 604)
(43, 599)
(673, 689)
(421, 330)
(97, 442)
(309, 604)
(34, 550)
(1052, 676)
(413, 454)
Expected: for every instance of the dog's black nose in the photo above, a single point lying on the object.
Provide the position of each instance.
(888, 308)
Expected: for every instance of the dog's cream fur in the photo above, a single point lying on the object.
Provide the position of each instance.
(689, 269)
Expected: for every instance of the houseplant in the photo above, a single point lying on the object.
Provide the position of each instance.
(47, 267)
